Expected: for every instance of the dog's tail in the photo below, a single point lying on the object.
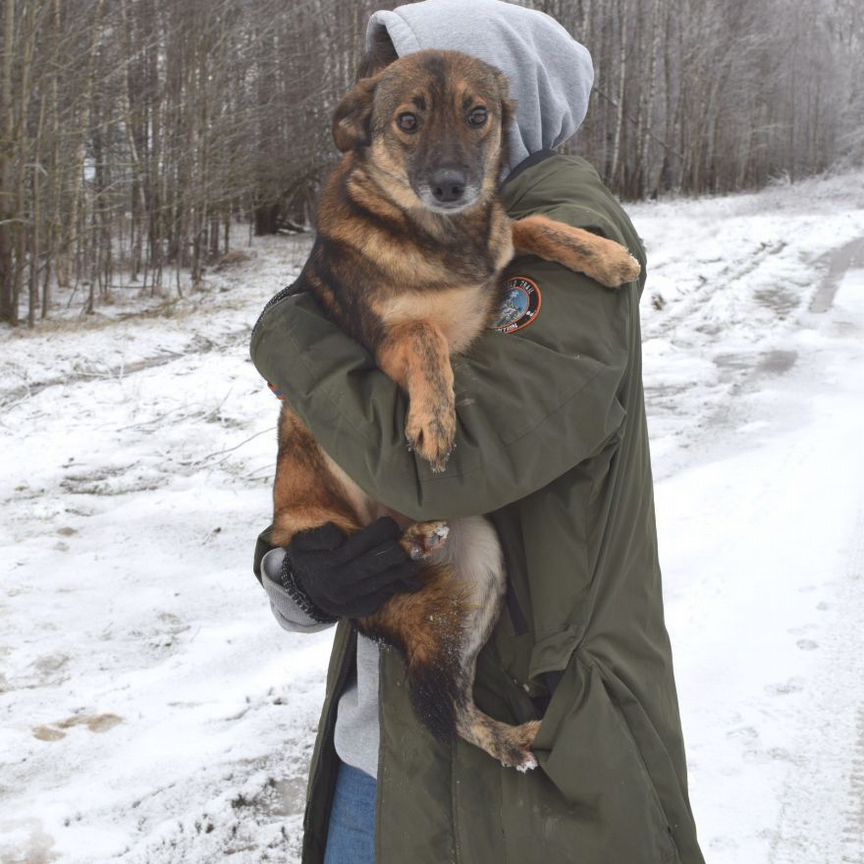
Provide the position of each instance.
(436, 694)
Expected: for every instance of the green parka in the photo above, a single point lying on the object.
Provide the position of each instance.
(552, 444)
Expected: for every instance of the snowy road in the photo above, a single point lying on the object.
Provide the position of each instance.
(763, 548)
(151, 711)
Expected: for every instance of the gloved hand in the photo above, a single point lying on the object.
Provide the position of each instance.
(332, 576)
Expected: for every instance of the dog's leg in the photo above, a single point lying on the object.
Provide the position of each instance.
(417, 357)
(475, 553)
(509, 745)
(433, 629)
(306, 494)
(606, 261)
(442, 630)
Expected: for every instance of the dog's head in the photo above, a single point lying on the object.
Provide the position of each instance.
(431, 129)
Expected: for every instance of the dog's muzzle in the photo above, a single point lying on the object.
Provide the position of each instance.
(448, 191)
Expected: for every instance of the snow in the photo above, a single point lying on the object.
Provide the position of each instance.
(756, 409)
(152, 711)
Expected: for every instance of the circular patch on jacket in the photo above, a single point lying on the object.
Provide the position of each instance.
(521, 306)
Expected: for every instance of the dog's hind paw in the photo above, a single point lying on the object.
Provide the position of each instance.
(421, 538)
(515, 747)
(528, 764)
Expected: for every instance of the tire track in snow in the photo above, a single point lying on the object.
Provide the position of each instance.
(853, 831)
(197, 345)
(821, 820)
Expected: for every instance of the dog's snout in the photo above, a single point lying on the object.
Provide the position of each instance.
(448, 185)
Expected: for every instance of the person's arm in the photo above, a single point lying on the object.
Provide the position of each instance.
(531, 404)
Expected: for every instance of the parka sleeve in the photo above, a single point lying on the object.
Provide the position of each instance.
(531, 404)
(283, 606)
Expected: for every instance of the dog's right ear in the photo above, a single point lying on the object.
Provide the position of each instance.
(351, 122)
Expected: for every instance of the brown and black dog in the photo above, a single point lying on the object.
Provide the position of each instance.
(411, 243)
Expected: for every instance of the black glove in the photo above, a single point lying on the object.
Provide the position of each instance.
(332, 576)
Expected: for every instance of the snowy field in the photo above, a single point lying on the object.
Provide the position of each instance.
(152, 711)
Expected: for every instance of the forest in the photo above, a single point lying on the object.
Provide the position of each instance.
(137, 135)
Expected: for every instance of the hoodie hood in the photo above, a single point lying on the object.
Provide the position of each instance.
(550, 73)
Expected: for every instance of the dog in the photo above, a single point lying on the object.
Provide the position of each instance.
(411, 244)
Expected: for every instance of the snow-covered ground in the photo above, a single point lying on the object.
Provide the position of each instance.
(152, 711)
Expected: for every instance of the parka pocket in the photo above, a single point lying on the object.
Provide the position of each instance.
(587, 750)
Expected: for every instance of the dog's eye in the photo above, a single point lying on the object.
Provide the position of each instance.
(477, 117)
(407, 122)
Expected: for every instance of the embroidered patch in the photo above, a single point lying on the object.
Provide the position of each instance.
(521, 306)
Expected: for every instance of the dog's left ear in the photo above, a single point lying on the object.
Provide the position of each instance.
(351, 122)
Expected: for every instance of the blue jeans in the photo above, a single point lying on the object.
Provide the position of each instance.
(351, 835)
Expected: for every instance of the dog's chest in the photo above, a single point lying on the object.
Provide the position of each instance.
(460, 312)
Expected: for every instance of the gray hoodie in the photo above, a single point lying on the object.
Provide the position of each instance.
(550, 73)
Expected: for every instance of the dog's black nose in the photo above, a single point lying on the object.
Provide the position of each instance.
(448, 185)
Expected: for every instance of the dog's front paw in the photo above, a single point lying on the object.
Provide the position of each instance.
(613, 265)
(431, 433)
(421, 538)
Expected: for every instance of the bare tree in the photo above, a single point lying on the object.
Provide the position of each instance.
(133, 133)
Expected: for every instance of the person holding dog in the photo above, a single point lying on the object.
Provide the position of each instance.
(552, 446)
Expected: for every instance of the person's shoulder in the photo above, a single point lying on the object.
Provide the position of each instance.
(551, 176)
(569, 189)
